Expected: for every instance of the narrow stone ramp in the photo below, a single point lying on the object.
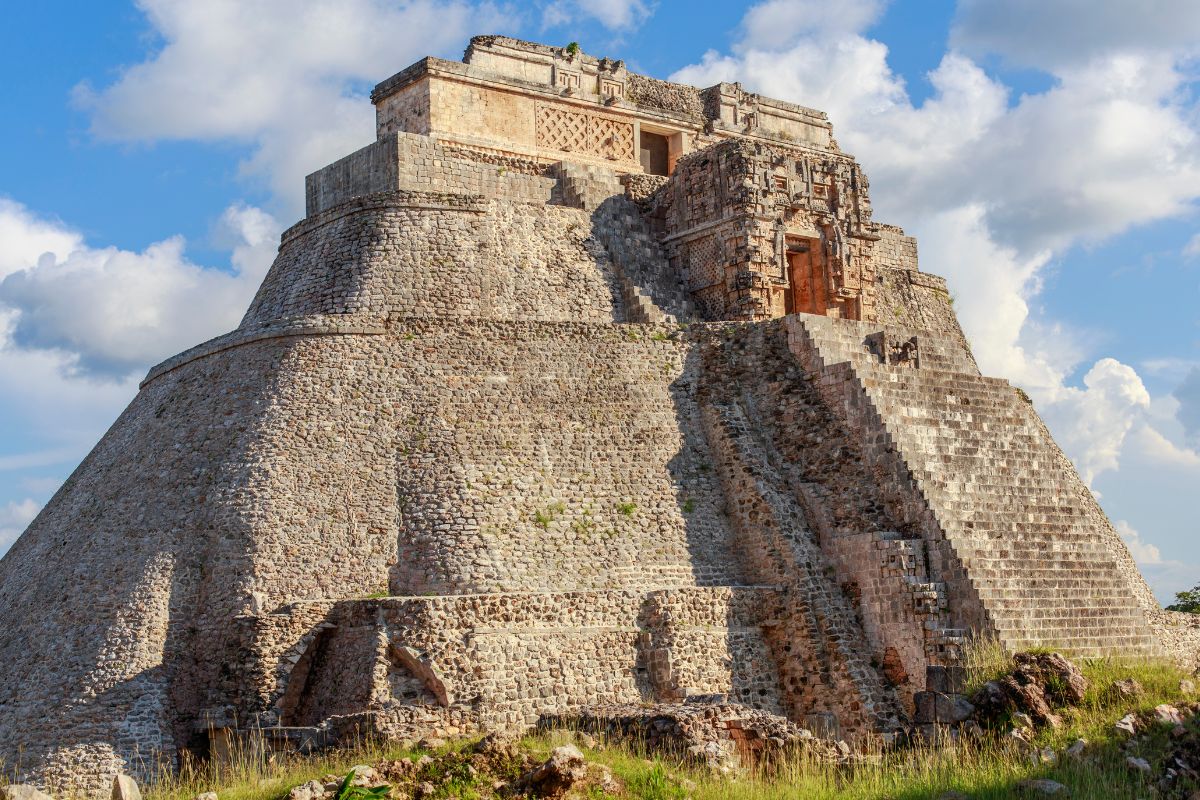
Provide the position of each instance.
(1009, 504)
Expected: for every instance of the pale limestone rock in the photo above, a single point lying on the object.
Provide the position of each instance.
(1076, 750)
(125, 788)
(1127, 724)
(564, 768)
(1167, 714)
(1137, 764)
(1126, 689)
(364, 775)
(313, 790)
(22, 791)
(1044, 786)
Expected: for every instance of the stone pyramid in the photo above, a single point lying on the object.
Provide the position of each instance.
(575, 388)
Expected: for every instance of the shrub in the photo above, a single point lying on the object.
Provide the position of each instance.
(1188, 601)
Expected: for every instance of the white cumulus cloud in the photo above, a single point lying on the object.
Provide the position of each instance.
(109, 311)
(287, 77)
(1188, 413)
(1143, 552)
(1192, 248)
(776, 24)
(13, 519)
(1049, 35)
(25, 237)
(1091, 423)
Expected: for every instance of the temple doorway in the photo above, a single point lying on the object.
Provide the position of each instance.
(655, 153)
(808, 291)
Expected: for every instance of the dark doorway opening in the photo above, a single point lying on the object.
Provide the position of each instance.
(655, 153)
(809, 292)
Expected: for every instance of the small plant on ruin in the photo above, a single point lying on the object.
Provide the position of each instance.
(348, 792)
(660, 336)
(626, 509)
(1188, 601)
(689, 505)
(573, 49)
(544, 517)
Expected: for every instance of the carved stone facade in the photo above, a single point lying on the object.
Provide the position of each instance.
(521, 422)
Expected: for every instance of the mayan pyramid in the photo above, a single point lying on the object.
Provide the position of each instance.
(575, 387)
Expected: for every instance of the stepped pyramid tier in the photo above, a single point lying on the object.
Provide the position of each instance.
(574, 388)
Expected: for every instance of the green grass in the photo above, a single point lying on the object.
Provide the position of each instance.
(987, 768)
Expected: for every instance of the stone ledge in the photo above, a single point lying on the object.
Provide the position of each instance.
(399, 323)
(401, 198)
(306, 327)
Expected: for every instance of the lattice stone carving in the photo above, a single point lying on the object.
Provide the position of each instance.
(575, 131)
(611, 138)
(559, 129)
(704, 261)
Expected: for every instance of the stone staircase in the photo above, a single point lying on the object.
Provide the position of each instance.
(812, 472)
(649, 289)
(818, 642)
(1045, 566)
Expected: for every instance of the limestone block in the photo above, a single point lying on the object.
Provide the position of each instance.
(22, 791)
(125, 788)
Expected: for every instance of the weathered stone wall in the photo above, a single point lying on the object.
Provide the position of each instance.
(102, 672)
(907, 297)
(408, 109)
(439, 254)
(652, 93)
(528, 654)
(732, 110)
(417, 163)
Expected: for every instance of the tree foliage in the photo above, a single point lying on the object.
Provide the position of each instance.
(1188, 601)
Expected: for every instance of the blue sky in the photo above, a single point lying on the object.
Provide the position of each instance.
(1046, 154)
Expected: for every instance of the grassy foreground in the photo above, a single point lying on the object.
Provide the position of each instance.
(987, 768)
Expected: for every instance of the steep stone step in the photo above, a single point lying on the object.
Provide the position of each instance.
(1007, 502)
